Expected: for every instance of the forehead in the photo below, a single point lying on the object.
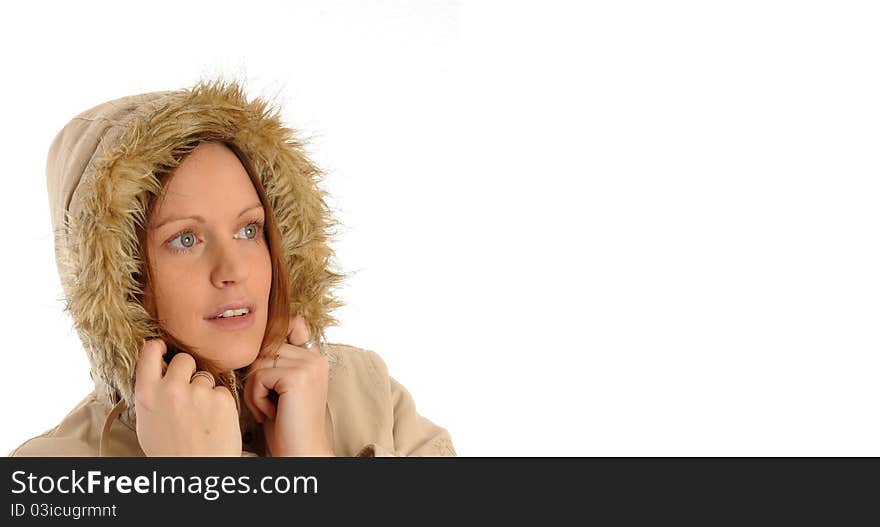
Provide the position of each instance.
(209, 181)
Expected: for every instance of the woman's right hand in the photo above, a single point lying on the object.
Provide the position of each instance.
(176, 417)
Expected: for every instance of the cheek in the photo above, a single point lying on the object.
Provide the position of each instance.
(169, 275)
(263, 272)
(169, 281)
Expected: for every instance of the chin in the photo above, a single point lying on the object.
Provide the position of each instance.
(233, 355)
(234, 359)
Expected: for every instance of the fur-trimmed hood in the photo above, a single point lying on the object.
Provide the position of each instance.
(100, 175)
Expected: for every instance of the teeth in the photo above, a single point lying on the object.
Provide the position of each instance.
(234, 312)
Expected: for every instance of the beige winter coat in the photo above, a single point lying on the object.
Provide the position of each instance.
(100, 172)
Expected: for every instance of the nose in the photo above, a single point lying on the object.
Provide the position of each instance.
(230, 264)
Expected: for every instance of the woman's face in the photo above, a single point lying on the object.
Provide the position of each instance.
(207, 250)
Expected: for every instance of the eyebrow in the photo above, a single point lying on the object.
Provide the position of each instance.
(201, 219)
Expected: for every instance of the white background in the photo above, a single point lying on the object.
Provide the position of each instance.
(581, 229)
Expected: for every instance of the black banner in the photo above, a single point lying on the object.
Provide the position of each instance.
(415, 490)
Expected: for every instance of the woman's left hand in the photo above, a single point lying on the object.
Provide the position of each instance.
(294, 425)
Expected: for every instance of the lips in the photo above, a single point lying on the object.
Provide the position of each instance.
(238, 304)
(233, 323)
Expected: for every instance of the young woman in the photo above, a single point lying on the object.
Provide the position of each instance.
(191, 238)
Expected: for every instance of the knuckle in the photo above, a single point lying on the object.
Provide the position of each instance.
(150, 348)
(199, 388)
(184, 360)
(224, 396)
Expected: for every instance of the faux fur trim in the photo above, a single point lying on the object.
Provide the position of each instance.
(100, 175)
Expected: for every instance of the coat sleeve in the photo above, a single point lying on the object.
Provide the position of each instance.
(414, 435)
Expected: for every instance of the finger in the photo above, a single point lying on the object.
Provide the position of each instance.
(258, 363)
(181, 369)
(282, 362)
(221, 389)
(149, 363)
(298, 331)
(263, 408)
(201, 380)
(268, 360)
(249, 400)
(288, 356)
(264, 382)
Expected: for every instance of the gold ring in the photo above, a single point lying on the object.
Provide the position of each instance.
(203, 373)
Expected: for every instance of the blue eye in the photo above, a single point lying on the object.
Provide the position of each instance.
(187, 238)
(254, 228)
